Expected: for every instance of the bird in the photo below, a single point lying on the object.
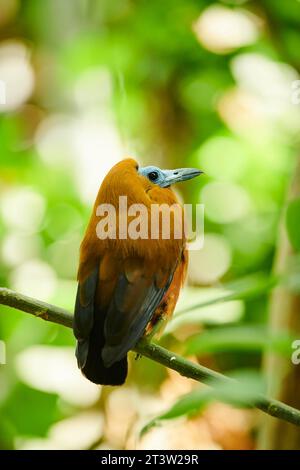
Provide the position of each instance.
(127, 286)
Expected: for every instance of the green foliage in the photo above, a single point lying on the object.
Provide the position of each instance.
(121, 76)
(292, 223)
(193, 402)
(241, 338)
(242, 389)
(21, 410)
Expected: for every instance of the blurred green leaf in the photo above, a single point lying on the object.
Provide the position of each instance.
(241, 389)
(231, 293)
(239, 338)
(175, 103)
(292, 223)
(212, 314)
(192, 402)
(31, 411)
(291, 279)
(241, 289)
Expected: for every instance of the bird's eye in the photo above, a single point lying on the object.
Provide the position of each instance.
(153, 176)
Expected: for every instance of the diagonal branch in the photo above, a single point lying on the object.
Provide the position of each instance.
(152, 351)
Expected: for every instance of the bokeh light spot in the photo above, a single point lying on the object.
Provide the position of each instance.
(225, 202)
(34, 278)
(54, 370)
(223, 158)
(23, 208)
(18, 247)
(220, 29)
(17, 74)
(212, 262)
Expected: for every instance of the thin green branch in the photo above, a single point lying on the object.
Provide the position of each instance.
(152, 351)
(35, 307)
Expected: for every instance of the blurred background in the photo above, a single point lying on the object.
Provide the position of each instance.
(172, 83)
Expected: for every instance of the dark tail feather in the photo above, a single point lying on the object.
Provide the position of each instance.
(88, 353)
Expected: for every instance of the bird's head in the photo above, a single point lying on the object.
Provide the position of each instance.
(165, 178)
(130, 179)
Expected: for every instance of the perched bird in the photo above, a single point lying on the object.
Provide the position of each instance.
(127, 284)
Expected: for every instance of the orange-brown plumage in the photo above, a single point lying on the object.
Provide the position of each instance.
(125, 285)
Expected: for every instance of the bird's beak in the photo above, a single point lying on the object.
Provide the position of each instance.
(181, 174)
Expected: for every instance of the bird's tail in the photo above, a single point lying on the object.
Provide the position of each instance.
(93, 367)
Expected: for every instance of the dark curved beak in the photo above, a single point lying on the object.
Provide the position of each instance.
(181, 174)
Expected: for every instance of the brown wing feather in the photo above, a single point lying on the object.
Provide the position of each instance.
(136, 296)
(165, 310)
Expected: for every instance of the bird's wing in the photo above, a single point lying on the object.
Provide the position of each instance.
(167, 306)
(84, 314)
(136, 296)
